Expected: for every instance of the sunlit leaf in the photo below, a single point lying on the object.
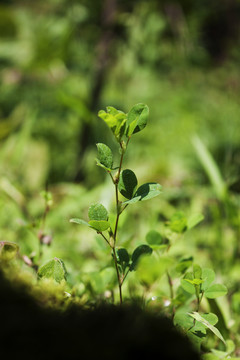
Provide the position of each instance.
(97, 212)
(99, 225)
(79, 221)
(53, 269)
(137, 119)
(201, 319)
(208, 276)
(105, 156)
(215, 291)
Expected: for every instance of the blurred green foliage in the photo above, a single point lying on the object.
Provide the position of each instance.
(63, 60)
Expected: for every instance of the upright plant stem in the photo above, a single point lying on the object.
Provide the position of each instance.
(118, 211)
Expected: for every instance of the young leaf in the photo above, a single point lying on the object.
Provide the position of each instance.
(199, 318)
(115, 120)
(53, 269)
(97, 212)
(99, 225)
(127, 183)
(79, 221)
(138, 252)
(186, 283)
(137, 119)
(197, 271)
(105, 156)
(215, 291)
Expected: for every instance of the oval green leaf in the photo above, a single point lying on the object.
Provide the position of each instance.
(145, 192)
(153, 237)
(215, 291)
(122, 258)
(78, 221)
(53, 269)
(105, 156)
(97, 212)
(137, 119)
(99, 225)
(127, 183)
(208, 276)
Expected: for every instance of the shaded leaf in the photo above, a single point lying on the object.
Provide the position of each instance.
(127, 183)
(122, 258)
(145, 192)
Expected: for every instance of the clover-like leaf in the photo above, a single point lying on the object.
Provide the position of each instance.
(208, 276)
(97, 212)
(215, 291)
(137, 119)
(137, 253)
(105, 157)
(206, 323)
(53, 269)
(127, 183)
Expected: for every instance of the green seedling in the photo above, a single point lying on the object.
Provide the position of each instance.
(125, 182)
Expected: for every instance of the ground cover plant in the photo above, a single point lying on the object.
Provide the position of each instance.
(154, 276)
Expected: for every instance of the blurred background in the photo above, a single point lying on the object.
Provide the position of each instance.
(61, 61)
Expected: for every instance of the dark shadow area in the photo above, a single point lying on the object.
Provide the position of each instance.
(106, 332)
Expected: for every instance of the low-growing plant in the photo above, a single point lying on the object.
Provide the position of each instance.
(125, 182)
(171, 284)
(188, 283)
